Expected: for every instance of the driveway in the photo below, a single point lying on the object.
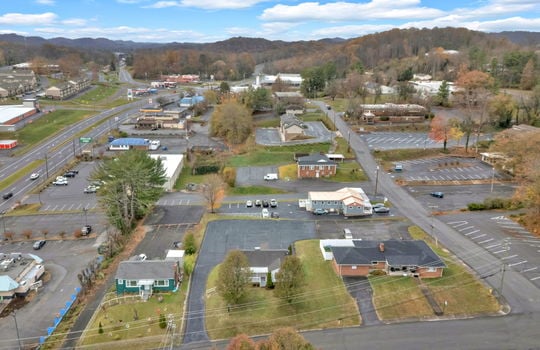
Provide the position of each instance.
(360, 289)
(222, 236)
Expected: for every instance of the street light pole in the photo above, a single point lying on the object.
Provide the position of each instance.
(46, 165)
(85, 210)
(17, 329)
(492, 177)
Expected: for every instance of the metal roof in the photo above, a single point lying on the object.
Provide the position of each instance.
(130, 141)
(147, 269)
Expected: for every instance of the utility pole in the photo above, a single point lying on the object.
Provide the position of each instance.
(349, 140)
(503, 270)
(492, 178)
(46, 165)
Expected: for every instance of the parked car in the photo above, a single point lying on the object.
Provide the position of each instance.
(7, 195)
(258, 203)
(86, 230)
(249, 204)
(69, 174)
(265, 214)
(61, 178)
(60, 182)
(34, 176)
(273, 203)
(274, 215)
(39, 244)
(437, 194)
(320, 211)
(265, 203)
(378, 205)
(381, 210)
(90, 189)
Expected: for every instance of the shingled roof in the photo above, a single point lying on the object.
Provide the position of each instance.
(394, 252)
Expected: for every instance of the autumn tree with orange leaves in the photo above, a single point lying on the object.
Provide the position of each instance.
(476, 87)
(439, 130)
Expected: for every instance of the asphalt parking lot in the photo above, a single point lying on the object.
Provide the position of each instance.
(403, 140)
(63, 260)
(513, 245)
(271, 136)
(446, 169)
(249, 176)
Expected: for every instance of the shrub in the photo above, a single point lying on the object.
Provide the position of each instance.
(45, 232)
(8, 235)
(229, 176)
(77, 234)
(378, 273)
(27, 234)
(162, 321)
(190, 246)
(100, 329)
(269, 282)
(476, 206)
(189, 264)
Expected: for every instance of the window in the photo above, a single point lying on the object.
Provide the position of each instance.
(353, 267)
(161, 283)
(131, 283)
(311, 167)
(120, 281)
(431, 269)
(373, 263)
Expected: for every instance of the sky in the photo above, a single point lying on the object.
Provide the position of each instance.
(199, 21)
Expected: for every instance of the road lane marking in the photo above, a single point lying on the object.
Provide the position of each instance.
(485, 241)
(493, 245)
(480, 236)
(509, 257)
(470, 233)
(518, 263)
(530, 269)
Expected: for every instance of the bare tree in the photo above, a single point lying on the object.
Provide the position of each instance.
(212, 190)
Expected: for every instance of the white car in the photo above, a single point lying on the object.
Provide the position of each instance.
(265, 214)
(60, 182)
(34, 176)
(249, 204)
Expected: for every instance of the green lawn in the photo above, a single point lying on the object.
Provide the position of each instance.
(398, 297)
(259, 155)
(134, 320)
(464, 293)
(349, 172)
(44, 127)
(324, 304)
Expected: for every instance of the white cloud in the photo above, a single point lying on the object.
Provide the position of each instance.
(220, 4)
(164, 4)
(15, 19)
(46, 2)
(75, 22)
(348, 11)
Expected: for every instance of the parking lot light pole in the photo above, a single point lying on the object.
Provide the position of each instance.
(85, 210)
(433, 207)
(376, 181)
(17, 329)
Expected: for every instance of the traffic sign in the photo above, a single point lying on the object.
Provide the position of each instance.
(85, 139)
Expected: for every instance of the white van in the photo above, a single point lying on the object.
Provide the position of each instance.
(347, 233)
(271, 176)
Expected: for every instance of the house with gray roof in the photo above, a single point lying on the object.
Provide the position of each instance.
(291, 128)
(262, 262)
(394, 257)
(315, 165)
(146, 277)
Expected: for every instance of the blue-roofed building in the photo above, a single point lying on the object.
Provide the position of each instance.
(127, 143)
(191, 101)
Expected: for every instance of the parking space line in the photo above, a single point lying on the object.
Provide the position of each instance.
(500, 251)
(470, 233)
(187, 201)
(465, 228)
(534, 278)
(482, 235)
(530, 269)
(518, 263)
(485, 241)
(509, 257)
(493, 245)
(461, 223)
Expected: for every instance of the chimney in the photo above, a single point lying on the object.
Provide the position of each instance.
(381, 247)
